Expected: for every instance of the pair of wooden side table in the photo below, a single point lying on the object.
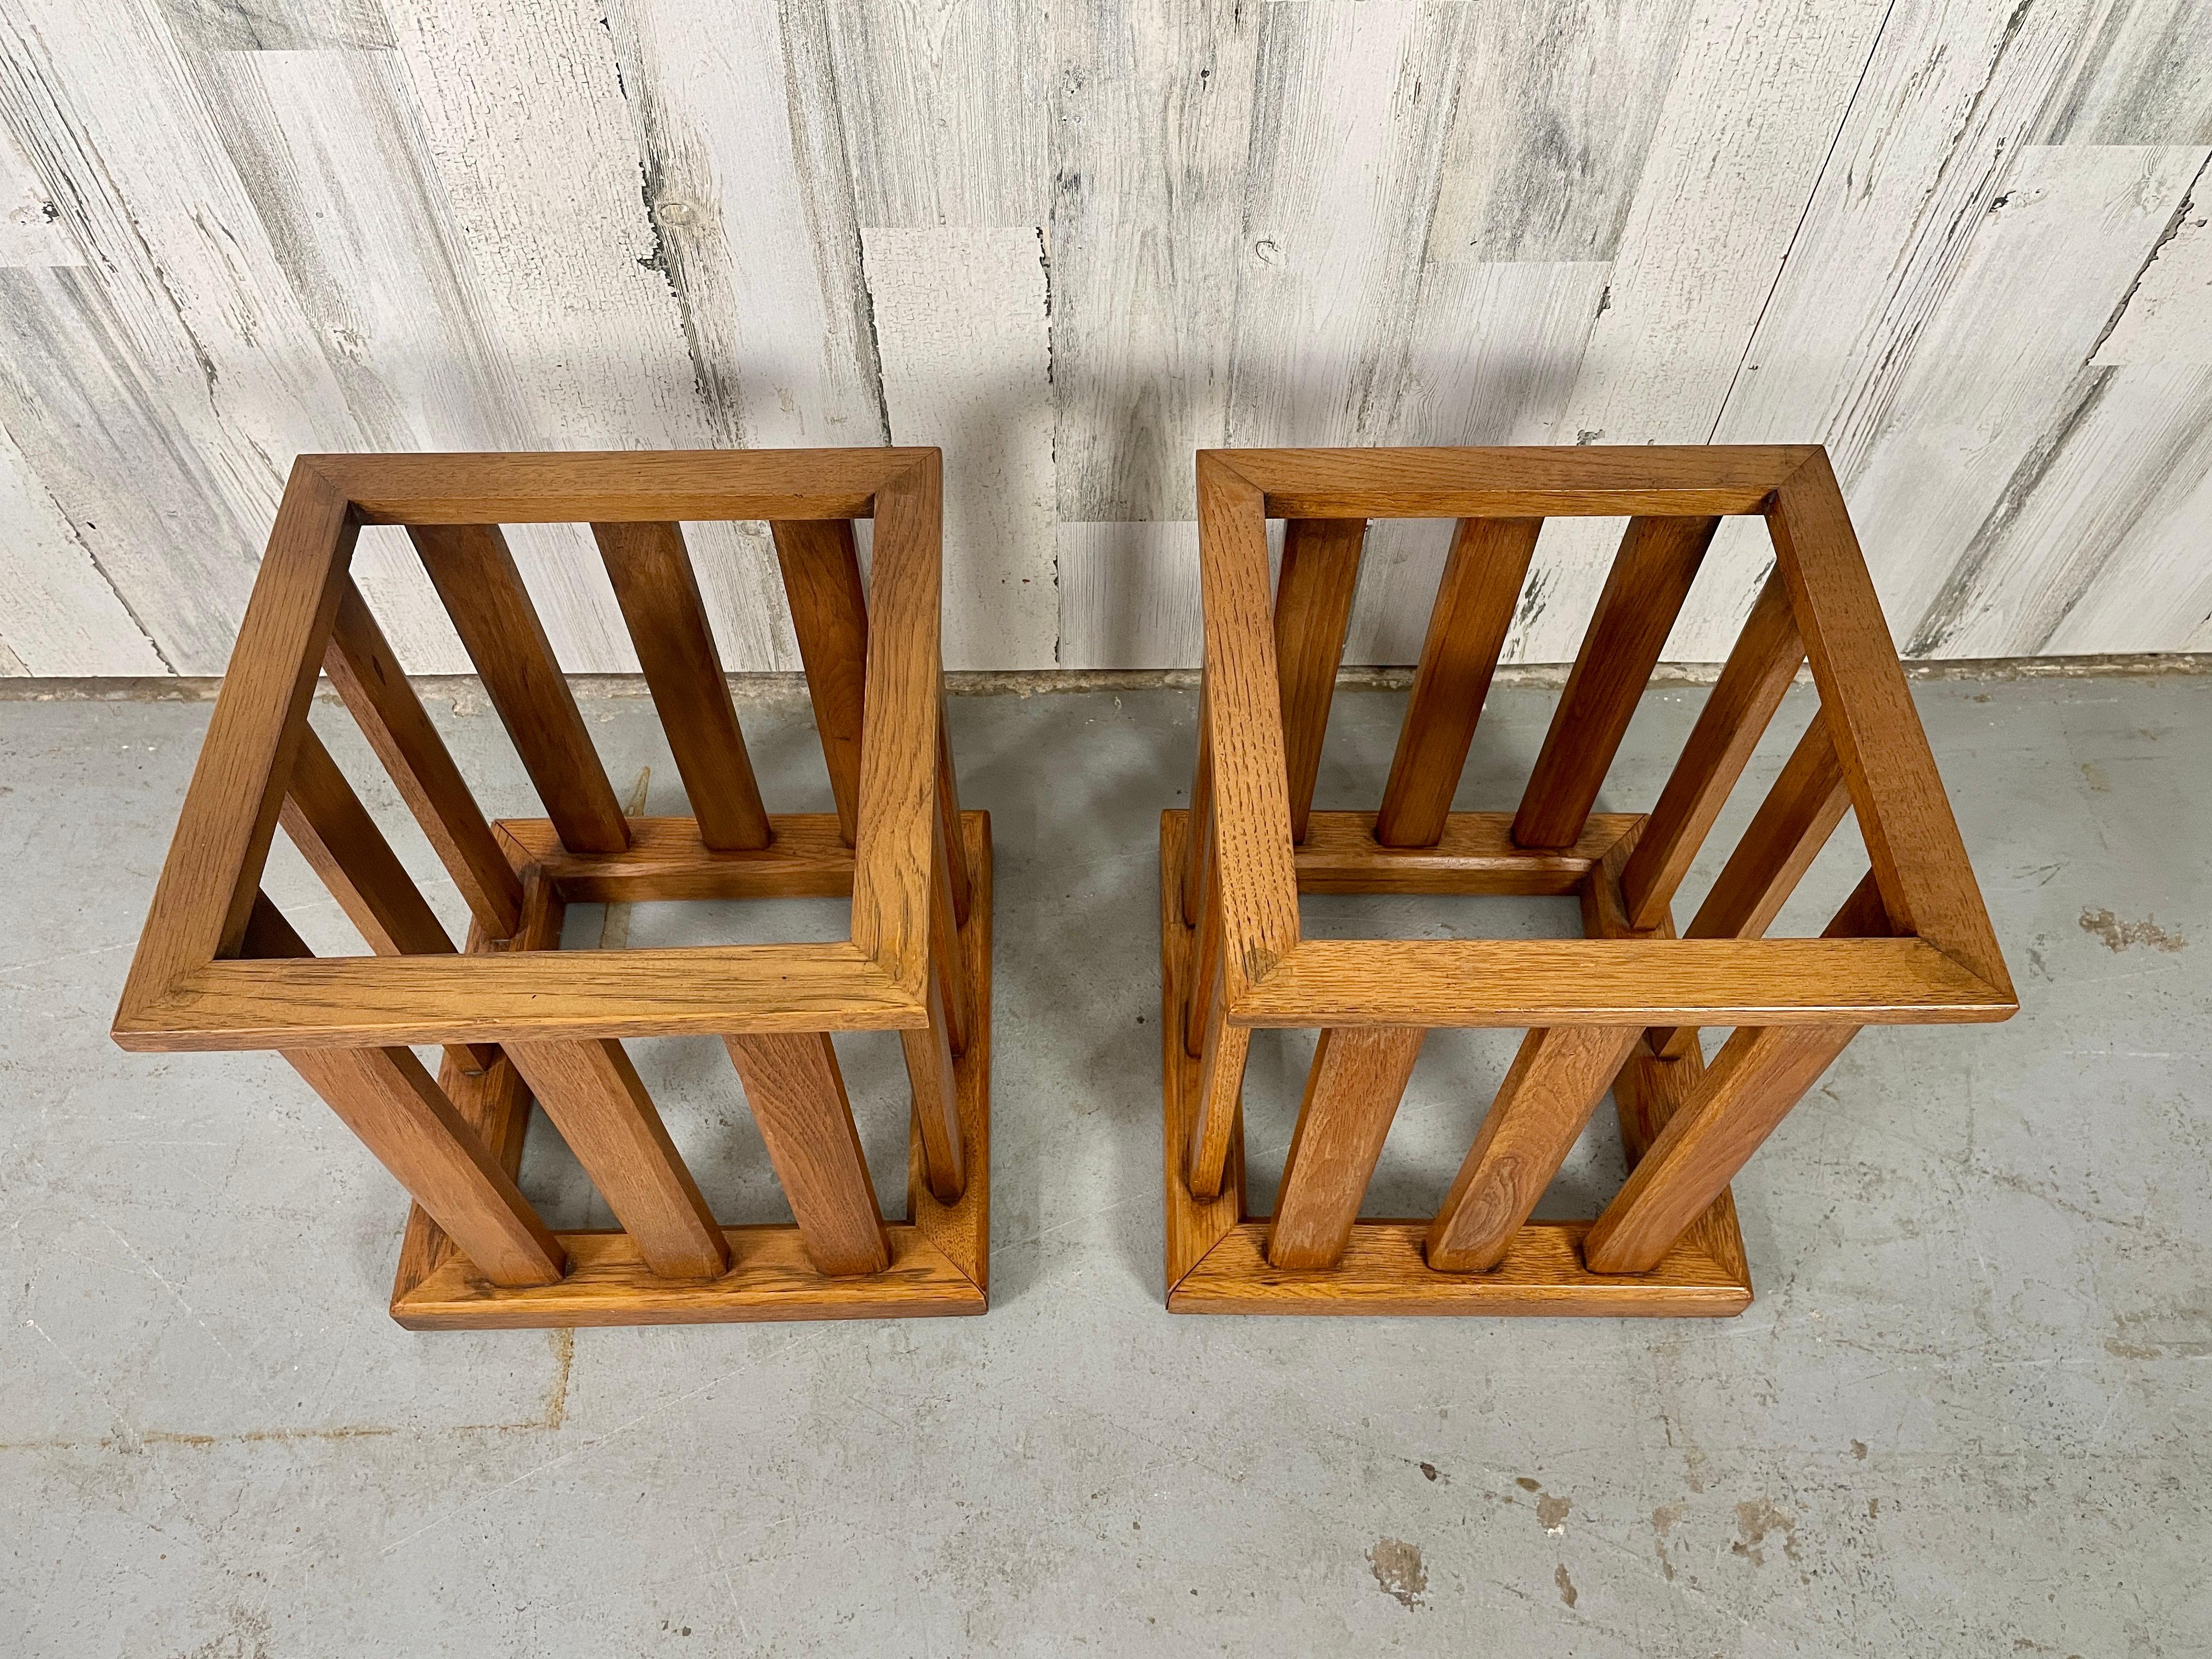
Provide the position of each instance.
(521, 1022)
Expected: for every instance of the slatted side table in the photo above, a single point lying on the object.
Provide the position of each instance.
(522, 1020)
(1619, 1008)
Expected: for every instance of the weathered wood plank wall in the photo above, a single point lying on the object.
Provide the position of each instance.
(1965, 243)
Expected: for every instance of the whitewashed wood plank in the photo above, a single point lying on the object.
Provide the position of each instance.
(2141, 75)
(1153, 105)
(2130, 462)
(2167, 318)
(1129, 595)
(281, 25)
(946, 109)
(31, 229)
(1998, 377)
(1346, 147)
(1758, 96)
(962, 329)
(190, 315)
(57, 614)
(1554, 106)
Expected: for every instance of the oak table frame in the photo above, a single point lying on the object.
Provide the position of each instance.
(523, 1022)
(1619, 1008)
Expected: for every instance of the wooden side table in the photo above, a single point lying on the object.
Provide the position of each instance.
(1619, 1008)
(219, 968)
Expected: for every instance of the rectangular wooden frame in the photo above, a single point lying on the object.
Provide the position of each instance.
(216, 968)
(1914, 946)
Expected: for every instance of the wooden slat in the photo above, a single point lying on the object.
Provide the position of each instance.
(335, 834)
(481, 590)
(659, 593)
(1351, 1094)
(1531, 481)
(1192, 884)
(588, 487)
(1220, 1099)
(1474, 852)
(1251, 855)
(1911, 837)
(1195, 1225)
(1555, 1083)
(1435, 982)
(665, 859)
(212, 873)
(829, 615)
(769, 1278)
(546, 995)
(1643, 593)
(948, 813)
(960, 1226)
(1383, 1272)
(592, 1094)
(1793, 824)
(1646, 1094)
(363, 667)
(797, 1098)
(1750, 688)
(947, 972)
(1313, 607)
(1758, 1075)
(385, 1096)
(1468, 623)
(893, 907)
(1205, 962)
(933, 1076)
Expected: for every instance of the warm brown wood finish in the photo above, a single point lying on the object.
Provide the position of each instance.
(1313, 607)
(1619, 1008)
(797, 1097)
(1483, 573)
(1555, 1083)
(481, 590)
(1644, 591)
(1758, 672)
(363, 667)
(659, 593)
(527, 1023)
(829, 615)
(1351, 1094)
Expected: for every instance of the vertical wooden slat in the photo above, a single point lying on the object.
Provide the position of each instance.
(368, 674)
(797, 1097)
(1220, 1096)
(933, 1079)
(1205, 967)
(1743, 699)
(1359, 1076)
(1555, 1083)
(1759, 1073)
(1644, 592)
(339, 839)
(659, 593)
(948, 814)
(481, 590)
(1313, 607)
(1905, 818)
(1200, 842)
(592, 1094)
(830, 615)
(948, 971)
(1483, 573)
(1807, 801)
(386, 1099)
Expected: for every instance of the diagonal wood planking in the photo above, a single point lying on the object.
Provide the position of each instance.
(1075, 245)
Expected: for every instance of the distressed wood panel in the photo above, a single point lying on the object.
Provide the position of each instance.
(31, 229)
(1129, 595)
(2168, 315)
(963, 330)
(2142, 75)
(57, 614)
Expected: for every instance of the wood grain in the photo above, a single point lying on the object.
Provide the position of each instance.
(1195, 1225)
(805, 857)
(1473, 853)
(1313, 604)
(659, 594)
(342, 843)
(797, 1098)
(829, 615)
(1352, 1091)
(1474, 604)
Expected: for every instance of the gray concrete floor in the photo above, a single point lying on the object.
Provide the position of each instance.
(1965, 1416)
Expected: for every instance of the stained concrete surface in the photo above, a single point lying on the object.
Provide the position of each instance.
(1966, 1414)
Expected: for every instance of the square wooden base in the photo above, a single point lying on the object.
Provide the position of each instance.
(940, 1255)
(1217, 1254)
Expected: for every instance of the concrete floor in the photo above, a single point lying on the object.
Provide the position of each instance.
(1957, 1420)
